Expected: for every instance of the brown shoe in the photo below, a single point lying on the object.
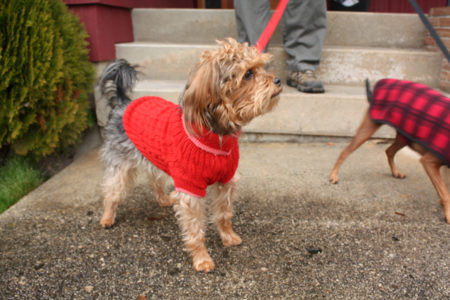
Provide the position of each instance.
(305, 82)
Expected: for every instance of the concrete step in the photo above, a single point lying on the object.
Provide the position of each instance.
(343, 29)
(336, 113)
(340, 65)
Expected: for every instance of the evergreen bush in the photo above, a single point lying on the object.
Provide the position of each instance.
(45, 77)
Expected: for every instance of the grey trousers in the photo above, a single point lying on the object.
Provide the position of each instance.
(304, 26)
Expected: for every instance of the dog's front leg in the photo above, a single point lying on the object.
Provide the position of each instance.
(431, 164)
(366, 129)
(222, 211)
(190, 212)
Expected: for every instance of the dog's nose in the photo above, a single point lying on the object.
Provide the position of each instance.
(277, 81)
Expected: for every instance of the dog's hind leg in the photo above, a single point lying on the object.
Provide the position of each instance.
(366, 129)
(222, 212)
(158, 181)
(117, 180)
(431, 165)
(398, 144)
(190, 212)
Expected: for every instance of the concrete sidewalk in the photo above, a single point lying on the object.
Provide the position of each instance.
(380, 238)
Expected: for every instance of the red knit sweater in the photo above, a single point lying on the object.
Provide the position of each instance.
(156, 128)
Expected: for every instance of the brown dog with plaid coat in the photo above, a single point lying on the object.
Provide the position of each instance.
(421, 117)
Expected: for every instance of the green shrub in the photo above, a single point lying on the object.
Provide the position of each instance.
(45, 77)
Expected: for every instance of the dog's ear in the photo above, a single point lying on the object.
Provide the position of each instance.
(202, 95)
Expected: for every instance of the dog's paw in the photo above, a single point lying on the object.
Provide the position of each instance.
(202, 261)
(398, 175)
(230, 239)
(204, 265)
(173, 197)
(107, 222)
(447, 216)
(333, 179)
(165, 200)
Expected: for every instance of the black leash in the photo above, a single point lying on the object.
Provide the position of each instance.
(430, 29)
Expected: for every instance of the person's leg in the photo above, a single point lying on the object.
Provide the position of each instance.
(252, 17)
(304, 27)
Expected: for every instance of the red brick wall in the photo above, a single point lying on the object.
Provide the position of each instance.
(440, 19)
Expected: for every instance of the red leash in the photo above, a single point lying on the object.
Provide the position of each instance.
(270, 28)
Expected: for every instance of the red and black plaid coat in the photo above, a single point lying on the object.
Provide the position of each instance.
(416, 111)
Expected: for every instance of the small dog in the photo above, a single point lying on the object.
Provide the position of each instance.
(195, 142)
(421, 117)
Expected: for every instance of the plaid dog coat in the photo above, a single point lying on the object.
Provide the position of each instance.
(417, 112)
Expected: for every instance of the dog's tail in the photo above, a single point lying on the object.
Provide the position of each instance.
(116, 81)
(368, 91)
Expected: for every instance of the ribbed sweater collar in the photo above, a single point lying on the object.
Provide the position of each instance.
(211, 142)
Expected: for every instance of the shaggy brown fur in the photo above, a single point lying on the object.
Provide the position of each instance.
(227, 89)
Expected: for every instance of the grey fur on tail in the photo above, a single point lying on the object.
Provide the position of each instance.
(116, 81)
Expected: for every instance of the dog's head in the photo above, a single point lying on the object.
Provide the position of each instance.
(228, 88)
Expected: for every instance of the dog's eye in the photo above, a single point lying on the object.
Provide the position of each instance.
(248, 75)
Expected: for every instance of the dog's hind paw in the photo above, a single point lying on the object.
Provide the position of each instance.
(447, 217)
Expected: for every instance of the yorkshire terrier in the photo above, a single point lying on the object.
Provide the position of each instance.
(195, 142)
